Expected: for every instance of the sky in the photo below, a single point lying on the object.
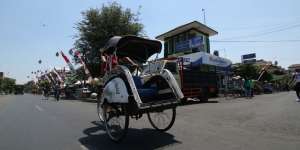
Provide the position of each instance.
(32, 30)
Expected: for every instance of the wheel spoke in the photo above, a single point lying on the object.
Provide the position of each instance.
(116, 123)
(100, 112)
(163, 120)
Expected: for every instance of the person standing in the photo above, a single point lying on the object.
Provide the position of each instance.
(57, 91)
(247, 87)
(297, 85)
(46, 91)
(251, 88)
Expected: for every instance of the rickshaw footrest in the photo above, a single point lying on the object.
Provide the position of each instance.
(159, 104)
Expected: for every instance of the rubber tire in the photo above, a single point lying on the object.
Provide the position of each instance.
(99, 113)
(170, 124)
(117, 140)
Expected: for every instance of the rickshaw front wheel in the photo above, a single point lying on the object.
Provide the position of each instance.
(116, 120)
(100, 110)
(162, 120)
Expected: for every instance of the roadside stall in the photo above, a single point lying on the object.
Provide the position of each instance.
(202, 75)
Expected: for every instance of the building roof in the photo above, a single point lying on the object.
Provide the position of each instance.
(294, 66)
(194, 24)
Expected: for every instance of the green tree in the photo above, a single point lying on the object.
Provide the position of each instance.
(267, 76)
(74, 77)
(28, 86)
(8, 84)
(247, 70)
(98, 25)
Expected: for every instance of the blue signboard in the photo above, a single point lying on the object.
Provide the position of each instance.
(196, 41)
(249, 56)
(182, 46)
(192, 43)
(183, 59)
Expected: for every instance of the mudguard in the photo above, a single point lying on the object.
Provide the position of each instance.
(124, 71)
(167, 75)
(115, 91)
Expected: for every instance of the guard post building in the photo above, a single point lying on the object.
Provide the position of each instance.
(205, 73)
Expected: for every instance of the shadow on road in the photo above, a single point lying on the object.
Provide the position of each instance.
(197, 102)
(89, 100)
(139, 139)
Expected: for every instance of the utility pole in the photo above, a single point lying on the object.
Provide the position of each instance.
(83, 61)
(204, 19)
(225, 54)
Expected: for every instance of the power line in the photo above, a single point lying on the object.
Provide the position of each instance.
(265, 32)
(265, 26)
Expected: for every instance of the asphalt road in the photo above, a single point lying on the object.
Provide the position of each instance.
(264, 122)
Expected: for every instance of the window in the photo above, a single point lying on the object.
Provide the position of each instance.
(171, 46)
(166, 47)
(176, 40)
(199, 41)
(182, 37)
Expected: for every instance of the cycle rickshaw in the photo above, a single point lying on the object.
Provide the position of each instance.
(133, 90)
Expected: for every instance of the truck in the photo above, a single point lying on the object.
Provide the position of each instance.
(194, 82)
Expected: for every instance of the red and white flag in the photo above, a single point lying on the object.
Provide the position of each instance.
(86, 70)
(67, 61)
(58, 75)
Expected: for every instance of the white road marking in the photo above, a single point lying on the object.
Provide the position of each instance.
(39, 108)
(83, 147)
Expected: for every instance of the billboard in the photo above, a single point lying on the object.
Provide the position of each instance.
(249, 58)
(181, 46)
(199, 58)
(195, 42)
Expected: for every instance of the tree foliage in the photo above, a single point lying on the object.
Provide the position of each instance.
(98, 25)
(267, 76)
(252, 71)
(247, 70)
(28, 86)
(7, 84)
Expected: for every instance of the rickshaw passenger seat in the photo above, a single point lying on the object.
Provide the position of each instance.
(137, 81)
(144, 92)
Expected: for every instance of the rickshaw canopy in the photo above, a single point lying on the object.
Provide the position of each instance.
(137, 48)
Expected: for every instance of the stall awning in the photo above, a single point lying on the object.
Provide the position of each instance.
(196, 59)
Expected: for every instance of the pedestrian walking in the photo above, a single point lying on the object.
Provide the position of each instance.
(297, 84)
(46, 92)
(57, 91)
